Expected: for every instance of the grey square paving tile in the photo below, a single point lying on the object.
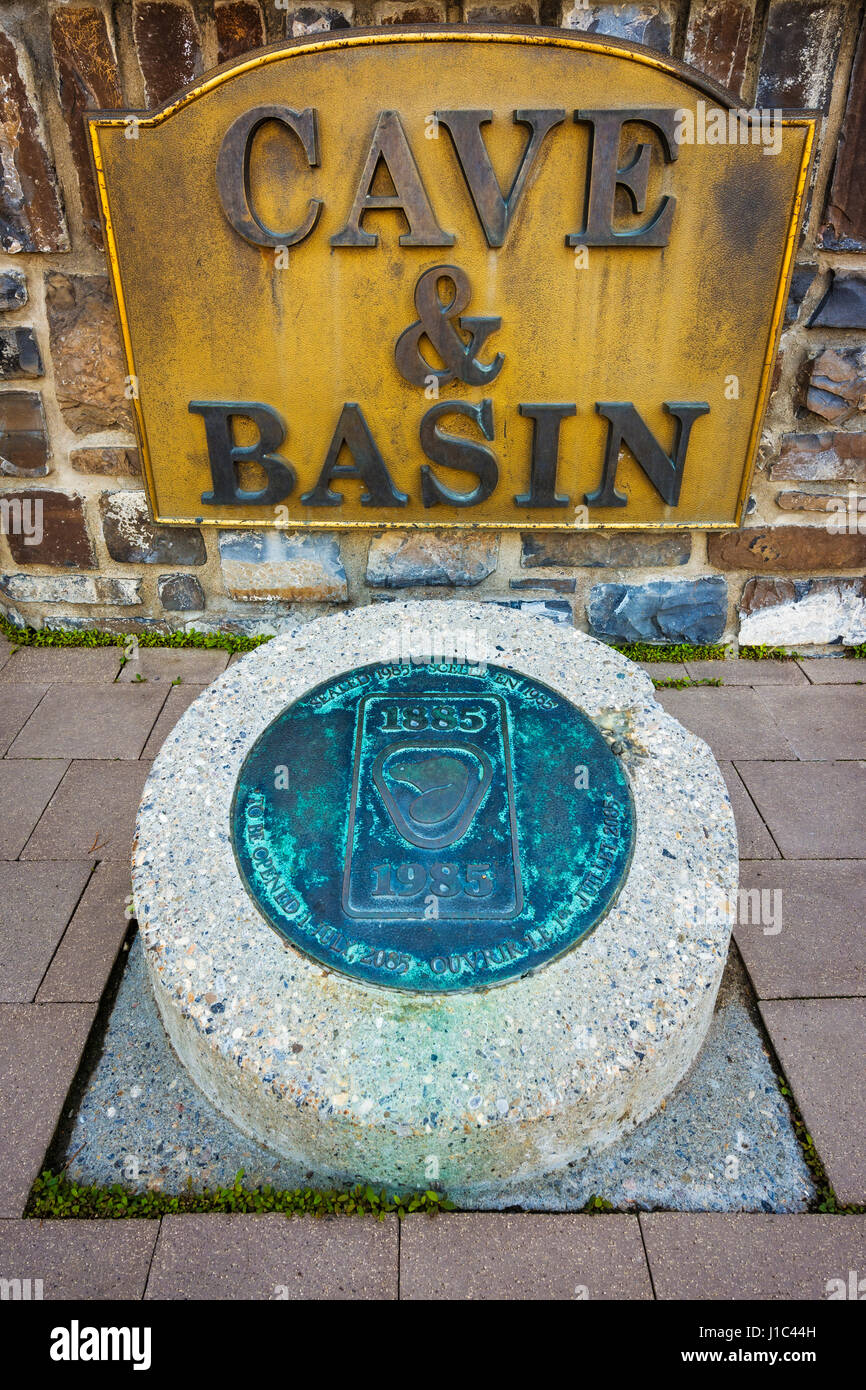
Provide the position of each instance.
(664, 670)
(17, 703)
(486, 1255)
(26, 786)
(198, 666)
(40, 1049)
(821, 947)
(80, 1260)
(755, 840)
(751, 1255)
(180, 697)
(82, 963)
(93, 721)
(814, 810)
(833, 670)
(733, 722)
(92, 813)
(221, 1256)
(6, 650)
(736, 672)
(63, 665)
(822, 1047)
(824, 722)
(36, 902)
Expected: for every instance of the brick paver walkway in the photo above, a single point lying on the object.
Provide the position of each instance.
(77, 735)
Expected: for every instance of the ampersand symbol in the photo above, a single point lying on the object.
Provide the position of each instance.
(440, 323)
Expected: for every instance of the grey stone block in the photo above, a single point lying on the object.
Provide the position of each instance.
(664, 610)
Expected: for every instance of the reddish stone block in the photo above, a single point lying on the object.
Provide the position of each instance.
(390, 13)
(833, 456)
(239, 27)
(65, 541)
(168, 46)
(520, 12)
(31, 208)
(845, 214)
(89, 365)
(801, 45)
(24, 450)
(107, 462)
(718, 38)
(776, 548)
(87, 79)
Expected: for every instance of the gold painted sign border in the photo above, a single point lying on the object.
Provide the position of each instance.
(359, 38)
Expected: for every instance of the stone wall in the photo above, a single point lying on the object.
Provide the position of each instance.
(794, 574)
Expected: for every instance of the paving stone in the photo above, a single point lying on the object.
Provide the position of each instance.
(665, 670)
(732, 721)
(198, 666)
(24, 447)
(222, 1256)
(745, 672)
(133, 539)
(92, 813)
(61, 666)
(83, 961)
(820, 950)
(823, 670)
(664, 610)
(485, 1255)
(402, 559)
(751, 1255)
(180, 697)
(103, 721)
(32, 220)
(820, 722)
(87, 77)
(17, 703)
(25, 790)
(90, 369)
(6, 650)
(814, 810)
(36, 903)
(754, 838)
(80, 1260)
(62, 538)
(821, 1044)
(40, 1050)
(168, 46)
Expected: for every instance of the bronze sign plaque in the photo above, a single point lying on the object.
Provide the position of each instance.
(422, 827)
(456, 278)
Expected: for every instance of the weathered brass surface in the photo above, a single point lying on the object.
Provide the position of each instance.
(410, 314)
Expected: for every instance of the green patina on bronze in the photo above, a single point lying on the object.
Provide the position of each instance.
(435, 827)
